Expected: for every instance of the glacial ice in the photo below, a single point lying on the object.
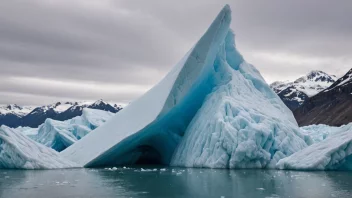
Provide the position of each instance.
(20, 152)
(242, 123)
(332, 153)
(319, 132)
(61, 134)
(211, 110)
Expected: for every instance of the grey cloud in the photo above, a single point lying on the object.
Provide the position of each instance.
(136, 41)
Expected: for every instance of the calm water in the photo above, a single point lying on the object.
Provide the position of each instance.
(137, 182)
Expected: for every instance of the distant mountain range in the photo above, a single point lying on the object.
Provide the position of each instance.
(332, 106)
(295, 93)
(15, 115)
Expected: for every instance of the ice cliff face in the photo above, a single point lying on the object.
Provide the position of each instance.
(242, 123)
(211, 110)
(19, 151)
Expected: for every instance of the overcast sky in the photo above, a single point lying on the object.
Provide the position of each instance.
(59, 50)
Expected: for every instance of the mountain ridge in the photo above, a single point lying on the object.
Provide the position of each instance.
(295, 93)
(27, 116)
(332, 106)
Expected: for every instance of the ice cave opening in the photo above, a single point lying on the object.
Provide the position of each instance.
(148, 156)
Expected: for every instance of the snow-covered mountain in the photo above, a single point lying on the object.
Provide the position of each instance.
(11, 114)
(344, 81)
(14, 109)
(332, 106)
(293, 94)
(15, 116)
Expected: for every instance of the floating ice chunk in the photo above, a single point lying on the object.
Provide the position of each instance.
(19, 151)
(57, 134)
(319, 132)
(332, 153)
(61, 134)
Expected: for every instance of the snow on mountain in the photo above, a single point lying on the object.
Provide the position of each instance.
(211, 110)
(14, 109)
(345, 80)
(293, 94)
(60, 107)
(19, 151)
(33, 117)
(10, 115)
(59, 135)
(332, 106)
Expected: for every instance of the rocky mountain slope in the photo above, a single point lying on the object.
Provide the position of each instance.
(332, 106)
(295, 93)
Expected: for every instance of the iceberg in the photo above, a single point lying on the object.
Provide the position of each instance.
(211, 110)
(59, 135)
(332, 153)
(20, 152)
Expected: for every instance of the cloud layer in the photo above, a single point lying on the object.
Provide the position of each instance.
(116, 50)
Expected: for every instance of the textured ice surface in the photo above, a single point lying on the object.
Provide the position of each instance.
(19, 151)
(228, 114)
(334, 152)
(319, 132)
(61, 134)
(242, 123)
(152, 125)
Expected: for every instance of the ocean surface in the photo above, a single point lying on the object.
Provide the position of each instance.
(172, 182)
